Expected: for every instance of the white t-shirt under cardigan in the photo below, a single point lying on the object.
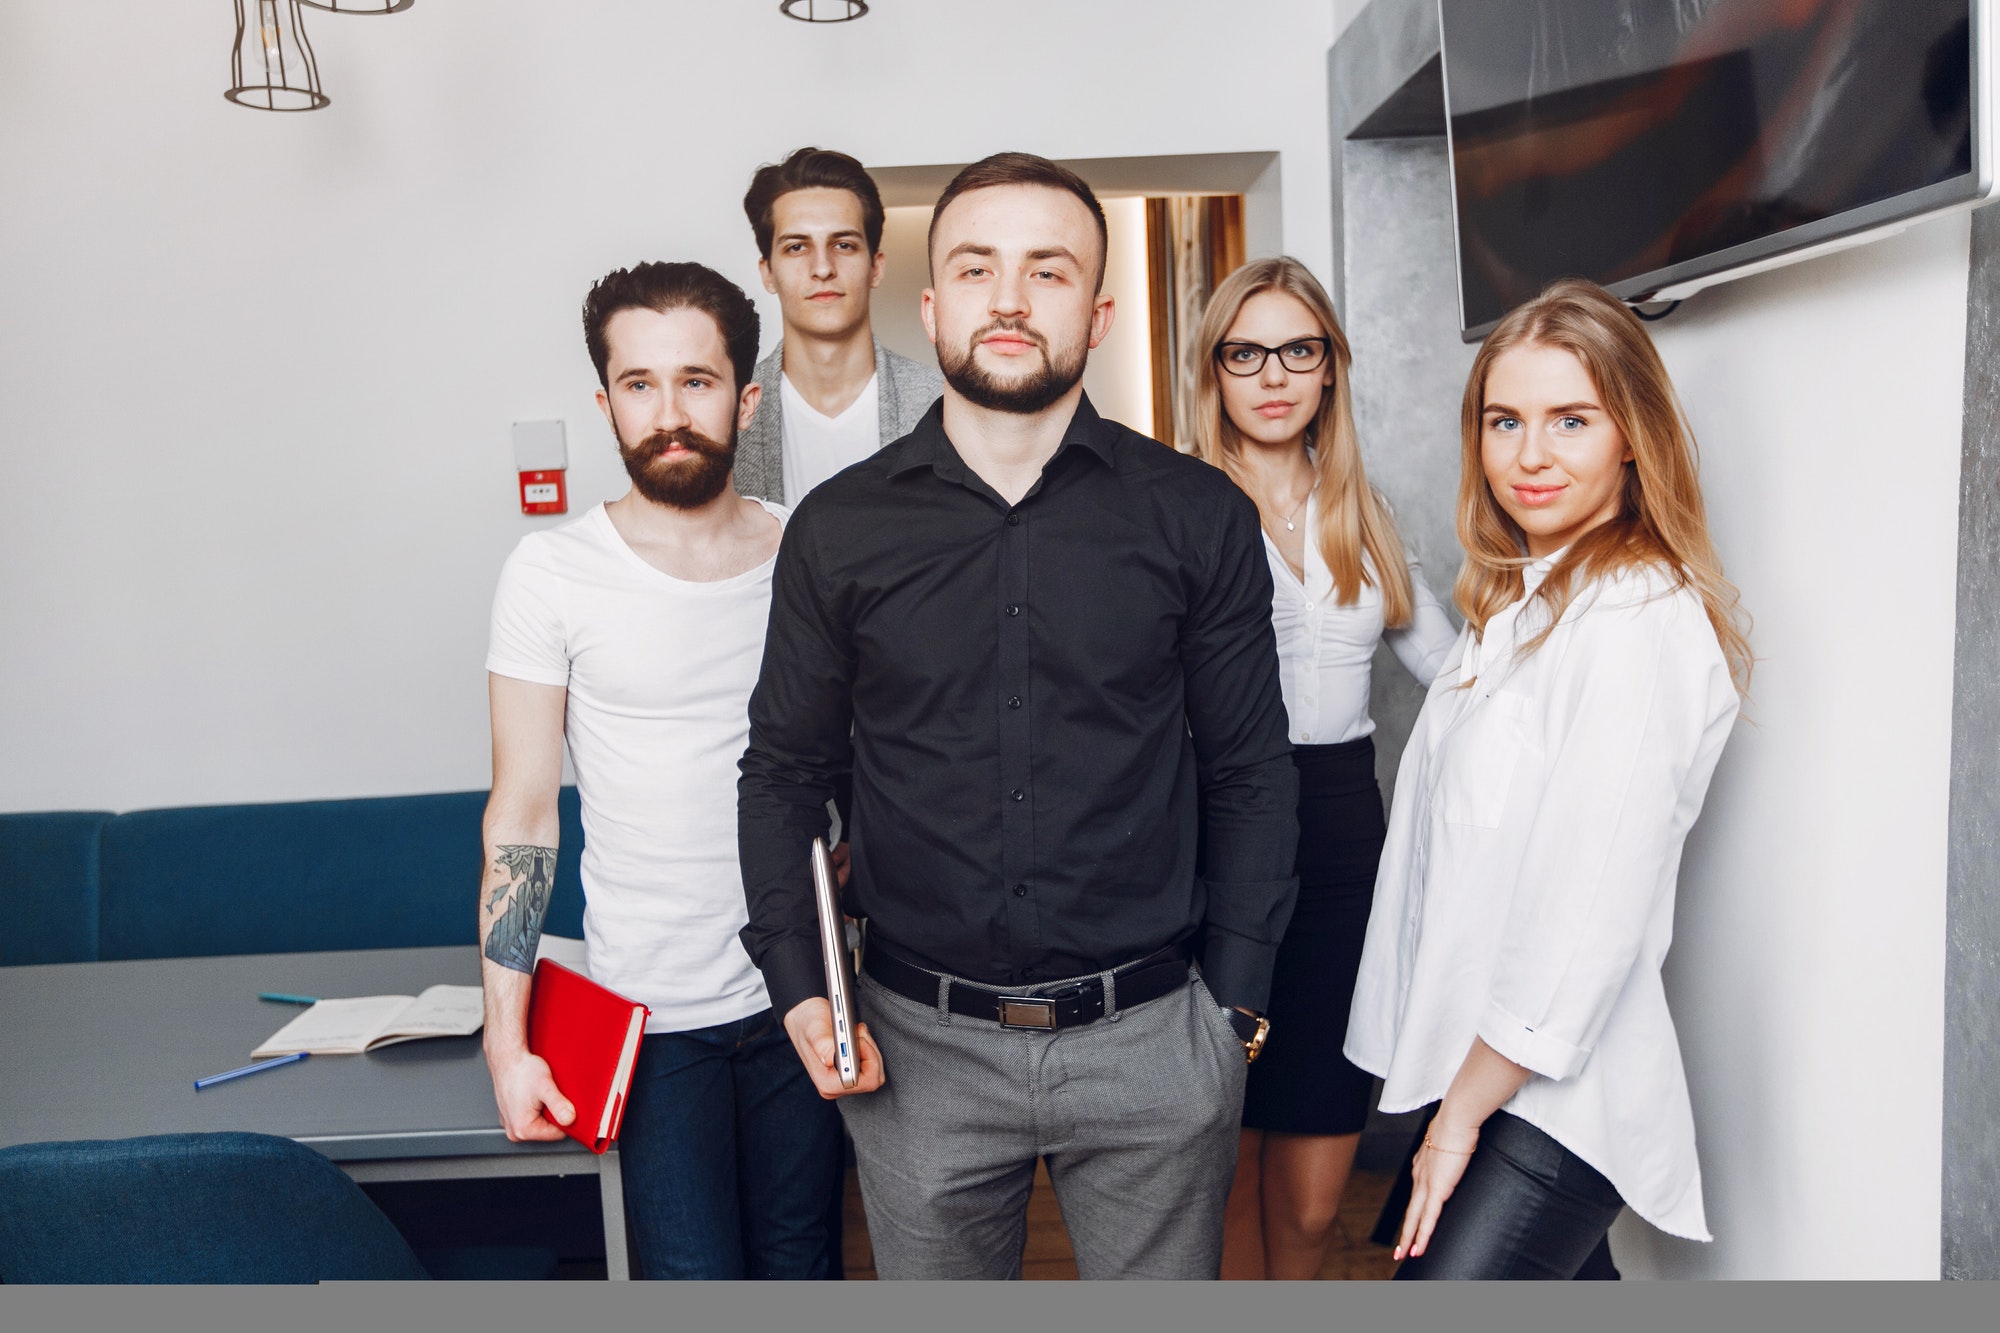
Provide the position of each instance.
(814, 446)
(1526, 894)
(1325, 650)
(659, 673)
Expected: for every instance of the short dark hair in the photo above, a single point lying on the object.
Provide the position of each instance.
(665, 287)
(812, 169)
(1024, 169)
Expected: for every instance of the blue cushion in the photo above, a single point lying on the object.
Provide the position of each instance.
(389, 872)
(190, 1208)
(48, 886)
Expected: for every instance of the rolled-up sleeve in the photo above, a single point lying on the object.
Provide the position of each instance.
(1236, 715)
(1642, 706)
(800, 715)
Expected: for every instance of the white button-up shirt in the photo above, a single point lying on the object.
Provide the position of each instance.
(1526, 894)
(1325, 649)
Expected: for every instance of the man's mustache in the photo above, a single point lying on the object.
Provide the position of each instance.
(1017, 326)
(653, 446)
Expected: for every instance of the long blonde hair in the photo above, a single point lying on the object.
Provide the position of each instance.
(1661, 520)
(1352, 517)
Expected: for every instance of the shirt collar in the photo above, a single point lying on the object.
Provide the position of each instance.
(1535, 571)
(928, 446)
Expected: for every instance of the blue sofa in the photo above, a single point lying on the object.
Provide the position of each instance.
(49, 886)
(290, 877)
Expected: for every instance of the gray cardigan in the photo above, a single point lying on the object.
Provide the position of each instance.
(905, 391)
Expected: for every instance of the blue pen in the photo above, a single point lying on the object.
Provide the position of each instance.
(257, 1068)
(280, 997)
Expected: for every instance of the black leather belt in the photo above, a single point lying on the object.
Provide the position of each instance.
(1070, 1006)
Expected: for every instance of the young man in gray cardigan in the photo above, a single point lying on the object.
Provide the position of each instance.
(832, 394)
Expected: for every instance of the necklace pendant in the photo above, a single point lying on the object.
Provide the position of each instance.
(1289, 527)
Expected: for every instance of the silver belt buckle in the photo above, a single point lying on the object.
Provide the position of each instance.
(1027, 1012)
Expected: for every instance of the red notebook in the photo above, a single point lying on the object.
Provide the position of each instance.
(590, 1037)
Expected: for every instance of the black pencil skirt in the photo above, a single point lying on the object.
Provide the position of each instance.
(1301, 1083)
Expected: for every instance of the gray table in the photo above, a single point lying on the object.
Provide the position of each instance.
(111, 1051)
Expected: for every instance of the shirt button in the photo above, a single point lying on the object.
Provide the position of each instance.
(1305, 735)
(1013, 520)
(1014, 701)
(1017, 794)
(1013, 608)
(1020, 890)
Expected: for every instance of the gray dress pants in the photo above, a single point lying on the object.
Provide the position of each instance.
(1137, 1119)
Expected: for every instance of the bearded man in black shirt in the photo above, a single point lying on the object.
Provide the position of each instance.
(1033, 636)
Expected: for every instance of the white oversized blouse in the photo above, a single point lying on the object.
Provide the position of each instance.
(1526, 894)
(1325, 650)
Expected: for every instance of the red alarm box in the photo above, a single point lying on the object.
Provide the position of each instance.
(542, 492)
(541, 456)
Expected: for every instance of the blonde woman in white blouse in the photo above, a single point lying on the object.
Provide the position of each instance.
(1511, 979)
(1272, 410)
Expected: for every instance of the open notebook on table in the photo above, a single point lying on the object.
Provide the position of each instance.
(349, 1027)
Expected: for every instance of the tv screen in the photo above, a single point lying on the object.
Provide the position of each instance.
(1649, 143)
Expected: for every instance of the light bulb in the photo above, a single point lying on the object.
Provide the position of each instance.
(267, 25)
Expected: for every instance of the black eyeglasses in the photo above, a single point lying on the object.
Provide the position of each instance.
(1298, 356)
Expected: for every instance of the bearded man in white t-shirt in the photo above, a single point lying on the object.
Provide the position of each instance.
(634, 635)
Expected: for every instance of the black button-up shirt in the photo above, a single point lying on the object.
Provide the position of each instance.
(1029, 697)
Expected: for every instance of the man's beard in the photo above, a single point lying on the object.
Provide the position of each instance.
(1025, 396)
(684, 483)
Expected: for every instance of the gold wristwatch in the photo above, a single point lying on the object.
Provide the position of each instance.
(1252, 1029)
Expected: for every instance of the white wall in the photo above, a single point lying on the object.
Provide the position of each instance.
(1807, 976)
(258, 370)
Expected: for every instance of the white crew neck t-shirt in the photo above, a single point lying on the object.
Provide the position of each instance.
(659, 673)
(815, 445)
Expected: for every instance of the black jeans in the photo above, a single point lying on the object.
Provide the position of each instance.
(1526, 1208)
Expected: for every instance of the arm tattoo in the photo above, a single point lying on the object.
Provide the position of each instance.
(527, 874)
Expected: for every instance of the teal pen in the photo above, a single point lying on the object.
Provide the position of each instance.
(257, 1068)
(279, 997)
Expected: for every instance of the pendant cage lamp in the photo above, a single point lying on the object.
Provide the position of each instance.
(823, 11)
(272, 66)
(360, 6)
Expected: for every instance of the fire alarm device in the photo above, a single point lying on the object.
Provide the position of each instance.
(541, 456)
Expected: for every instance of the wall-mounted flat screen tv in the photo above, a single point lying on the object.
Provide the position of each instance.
(1658, 146)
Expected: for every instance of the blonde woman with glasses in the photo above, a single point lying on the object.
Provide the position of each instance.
(1511, 981)
(1273, 411)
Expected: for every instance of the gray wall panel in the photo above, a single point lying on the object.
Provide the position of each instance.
(1409, 373)
(1387, 42)
(1971, 1240)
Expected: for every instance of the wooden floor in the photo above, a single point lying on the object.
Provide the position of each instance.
(1047, 1254)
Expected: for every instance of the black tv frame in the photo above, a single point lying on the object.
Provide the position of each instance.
(1855, 226)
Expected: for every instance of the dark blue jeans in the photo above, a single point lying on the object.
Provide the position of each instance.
(1527, 1207)
(730, 1156)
